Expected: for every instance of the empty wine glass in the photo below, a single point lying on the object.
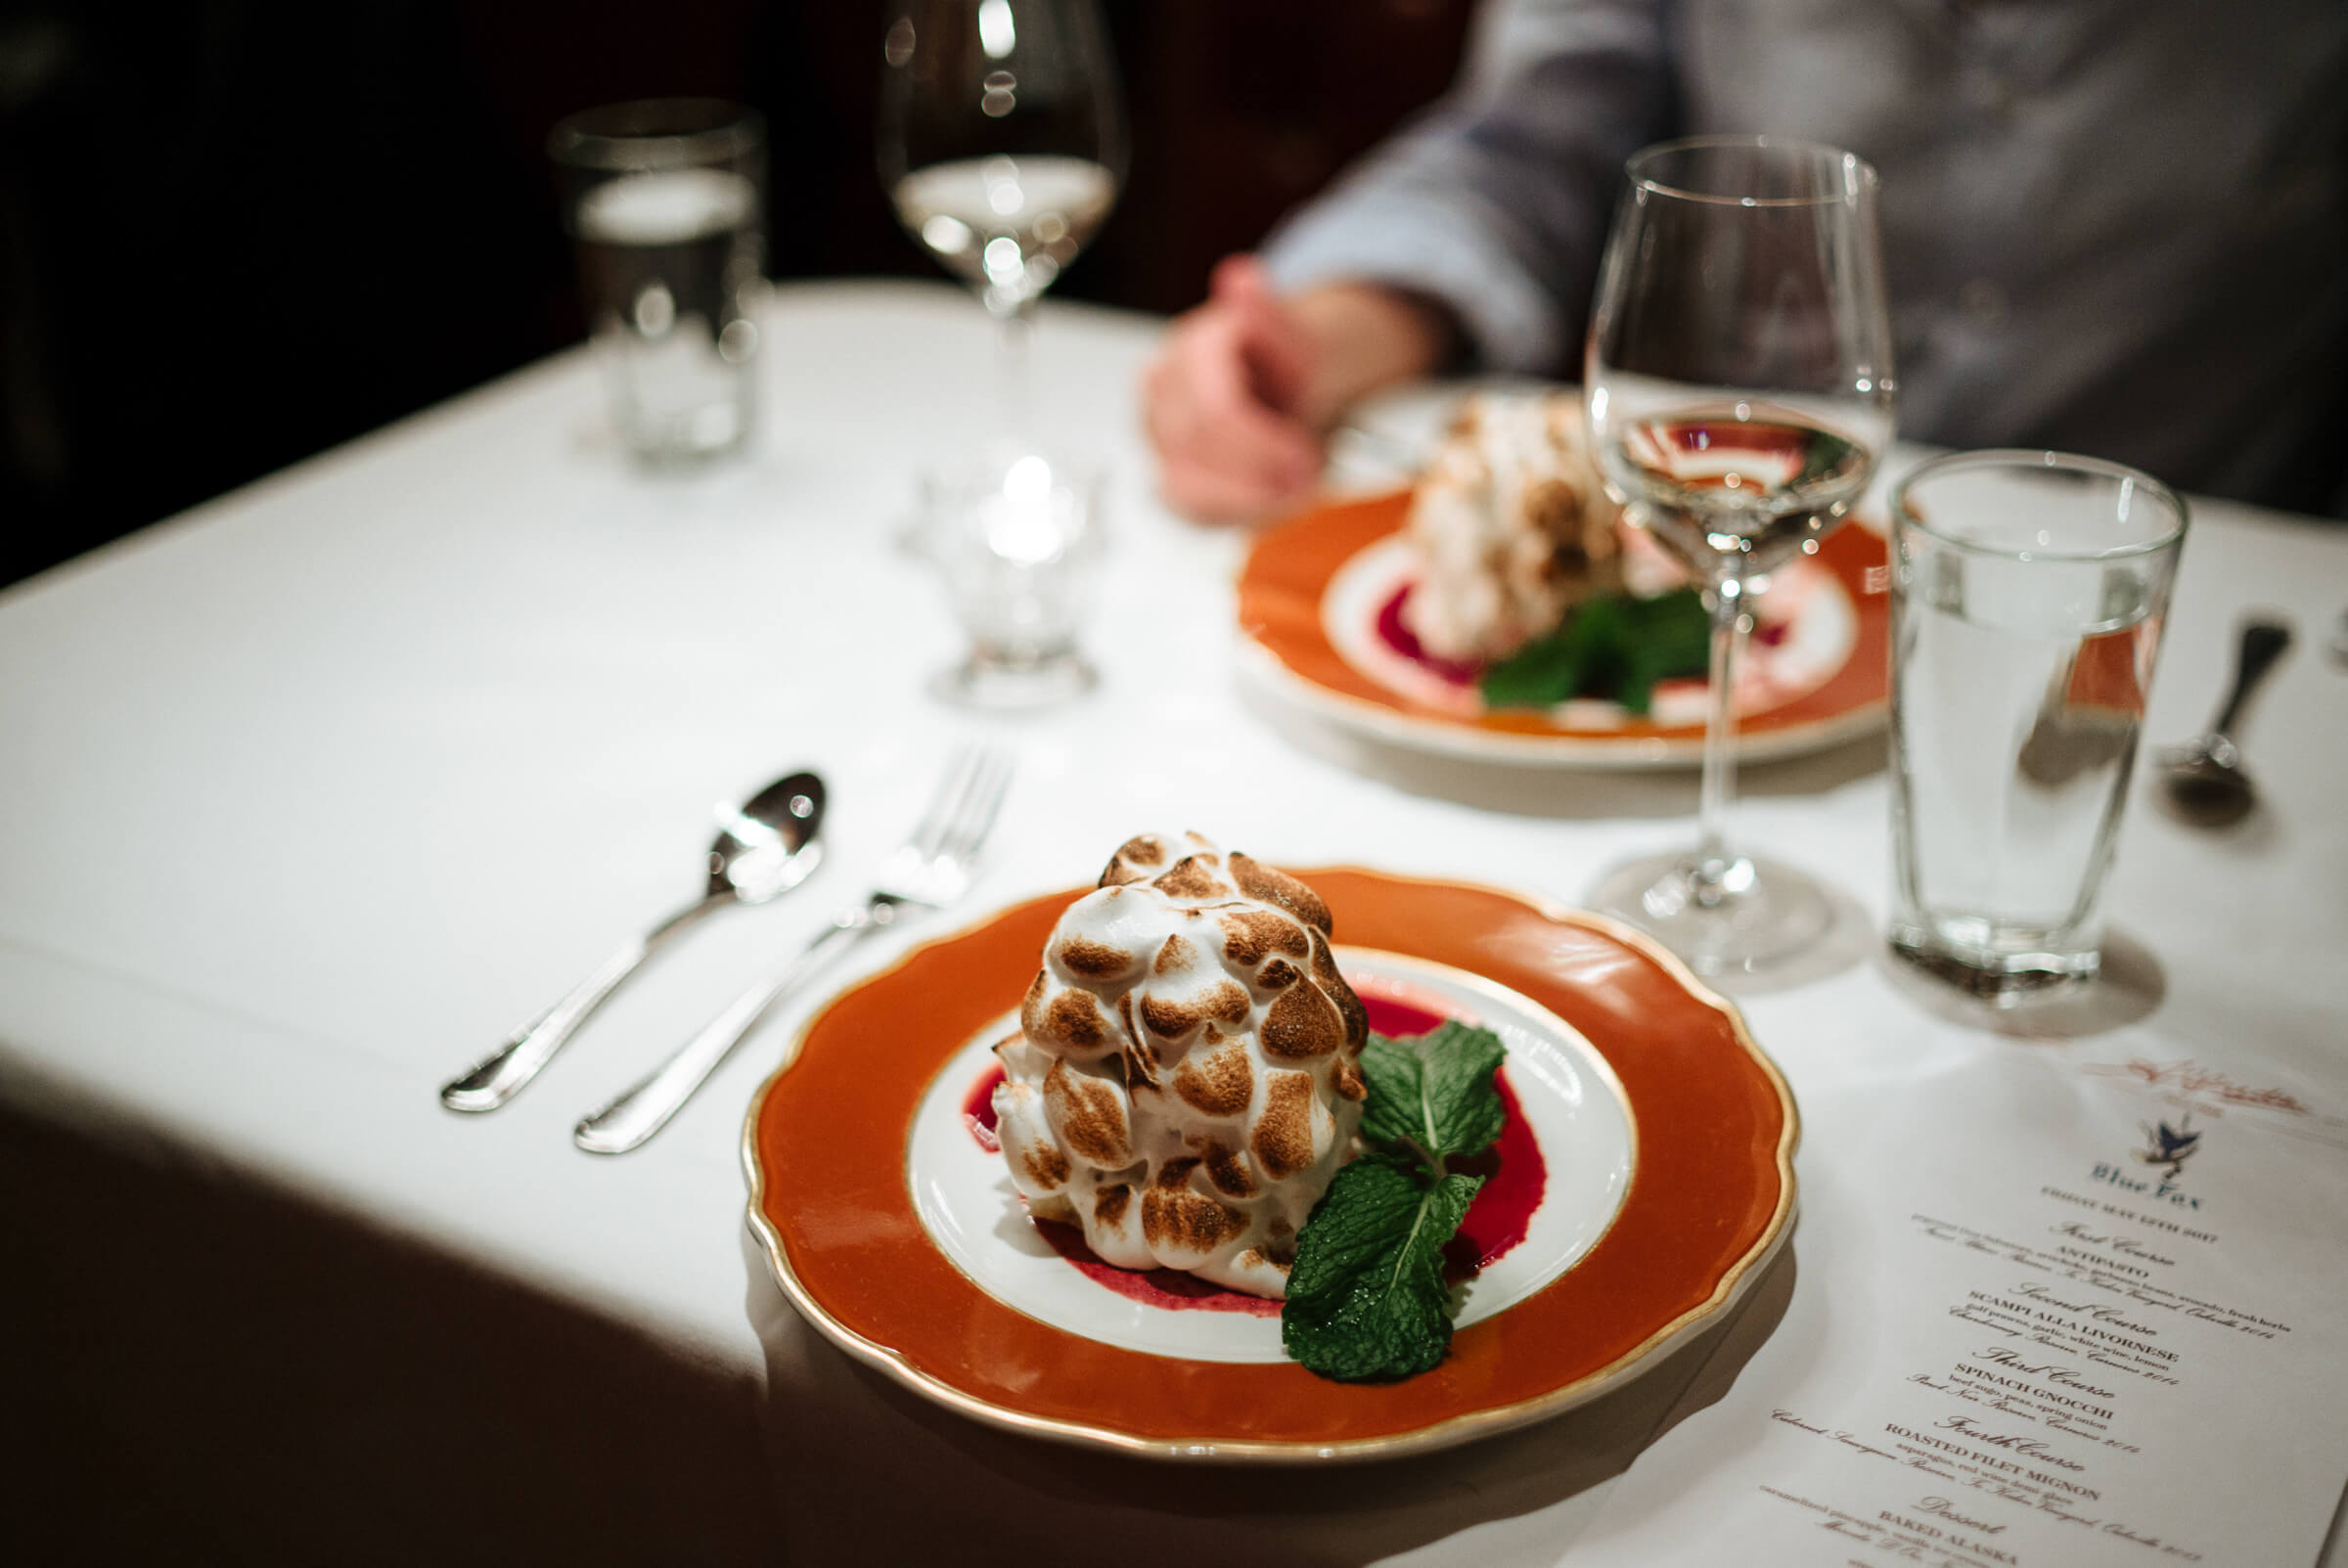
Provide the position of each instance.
(1002, 143)
(1739, 389)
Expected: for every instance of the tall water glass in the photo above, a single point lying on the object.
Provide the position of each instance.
(665, 201)
(2028, 594)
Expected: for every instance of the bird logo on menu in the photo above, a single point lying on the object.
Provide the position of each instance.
(2169, 1145)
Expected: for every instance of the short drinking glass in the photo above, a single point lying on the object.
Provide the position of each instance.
(665, 201)
(1017, 543)
(2028, 592)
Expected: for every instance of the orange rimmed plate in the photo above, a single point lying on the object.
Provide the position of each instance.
(1315, 586)
(830, 1147)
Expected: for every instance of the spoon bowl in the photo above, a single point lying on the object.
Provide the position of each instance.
(768, 845)
(2206, 784)
(764, 848)
(2203, 780)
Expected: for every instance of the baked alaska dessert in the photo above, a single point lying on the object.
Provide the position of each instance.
(1514, 530)
(1187, 1076)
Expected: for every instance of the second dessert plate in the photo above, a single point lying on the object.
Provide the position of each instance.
(1644, 1180)
(1320, 595)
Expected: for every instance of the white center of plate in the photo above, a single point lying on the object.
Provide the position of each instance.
(1571, 1102)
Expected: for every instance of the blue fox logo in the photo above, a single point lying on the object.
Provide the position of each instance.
(2170, 1145)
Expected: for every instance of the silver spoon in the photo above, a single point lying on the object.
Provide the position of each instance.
(2204, 780)
(764, 849)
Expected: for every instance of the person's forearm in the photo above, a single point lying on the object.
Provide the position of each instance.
(1497, 200)
(1365, 336)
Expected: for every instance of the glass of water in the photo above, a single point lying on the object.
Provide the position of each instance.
(665, 201)
(2028, 594)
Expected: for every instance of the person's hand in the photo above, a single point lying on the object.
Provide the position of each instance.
(1242, 396)
(1224, 402)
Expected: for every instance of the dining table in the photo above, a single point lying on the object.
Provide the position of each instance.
(313, 792)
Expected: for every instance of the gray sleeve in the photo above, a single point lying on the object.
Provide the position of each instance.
(1496, 203)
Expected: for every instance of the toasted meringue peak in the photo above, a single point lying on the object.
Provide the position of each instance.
(1186, 1079)
(1146, 855)
(1512, 527)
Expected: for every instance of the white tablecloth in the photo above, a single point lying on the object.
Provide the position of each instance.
(314, 792)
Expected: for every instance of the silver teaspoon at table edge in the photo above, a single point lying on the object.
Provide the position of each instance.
(764, 848)
(2204, 779)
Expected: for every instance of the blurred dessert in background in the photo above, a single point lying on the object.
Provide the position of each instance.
(1513, 530)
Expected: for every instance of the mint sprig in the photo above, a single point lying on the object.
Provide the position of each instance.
(1611, 645)
(1367, 1298)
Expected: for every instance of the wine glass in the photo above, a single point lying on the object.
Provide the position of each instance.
(1739, 389)
(1002, 144)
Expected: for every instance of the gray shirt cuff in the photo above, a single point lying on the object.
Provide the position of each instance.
(1438, 245)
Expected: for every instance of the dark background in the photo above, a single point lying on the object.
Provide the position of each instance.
(236, 232)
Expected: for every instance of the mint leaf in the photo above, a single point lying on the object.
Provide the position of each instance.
(1670, 635)
(1569, 660)
(1826, 453)
(1612, 646)
(1433, 1092)
(1367, 1300)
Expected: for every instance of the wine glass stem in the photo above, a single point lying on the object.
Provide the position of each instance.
(1715, 874)
(1012, 326)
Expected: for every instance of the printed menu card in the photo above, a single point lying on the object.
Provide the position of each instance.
(2052, 1307)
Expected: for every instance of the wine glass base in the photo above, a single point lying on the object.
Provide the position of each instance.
(1750, 917)
(996, 687)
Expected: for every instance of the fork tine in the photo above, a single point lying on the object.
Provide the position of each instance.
(945, 800)
(973, 784)
(968, 788)
(985, 802)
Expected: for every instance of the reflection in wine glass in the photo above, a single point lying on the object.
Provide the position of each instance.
(1739, 389)
(1002, 143)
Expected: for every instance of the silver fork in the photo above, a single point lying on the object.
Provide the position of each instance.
(932, 869)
